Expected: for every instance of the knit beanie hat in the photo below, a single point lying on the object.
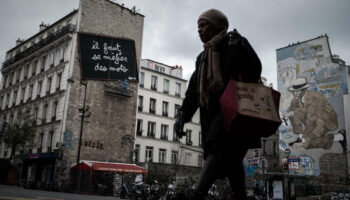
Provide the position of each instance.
(215, 17)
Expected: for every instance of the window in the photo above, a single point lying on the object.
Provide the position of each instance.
(174, 155)
(188, 137)
(166, 86)
(44, 112)
(137, 152)
(188, 158)
(152, 106)
(176, 111)
(4, 82)
(154, 81)
(200, 160)
(63, 51)
(40, 83)
(48, 85)
(14, 97)
(162, 155)
(26, 71)
(1, 101)
(7, 99)
(11, 119)
(58, 82)
(34, 67)
(151, 131)
(12, 76)
(139, 127)
(22, 94)
(264, 146)
(43, 62)
(142, 79)
(164, 132)
(52, 63)
(54, 110)
(41, 138)
(159, 69)
(30, 91)
(165, 109)
(36, 111)
(49, 141)
(175, 138)
(149, 154)
(140, 103)
(256, 153)
(178, 90)
(200, 139)
(274, 148)
(18, 75)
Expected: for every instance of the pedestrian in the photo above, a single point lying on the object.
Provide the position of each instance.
(225, 56)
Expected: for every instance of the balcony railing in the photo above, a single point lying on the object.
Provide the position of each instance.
(69, 28)
(153, 87)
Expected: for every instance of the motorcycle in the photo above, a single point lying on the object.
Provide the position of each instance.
(139, 190)
(124, 191)
(213, 193)
(154, 191)
(171, 191)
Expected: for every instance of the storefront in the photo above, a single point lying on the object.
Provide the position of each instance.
(38, 170)
(90, 176)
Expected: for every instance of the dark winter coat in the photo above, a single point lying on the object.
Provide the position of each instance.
(236, 58)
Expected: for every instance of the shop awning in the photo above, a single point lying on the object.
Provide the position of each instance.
(109, 167)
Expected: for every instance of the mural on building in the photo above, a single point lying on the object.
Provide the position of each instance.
(312, 108)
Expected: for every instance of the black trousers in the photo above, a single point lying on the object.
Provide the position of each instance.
(225, 159)
(235, 175)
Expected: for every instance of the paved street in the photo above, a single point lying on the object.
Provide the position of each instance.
(18, 193)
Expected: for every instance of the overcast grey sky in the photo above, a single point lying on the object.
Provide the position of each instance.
(170, 29)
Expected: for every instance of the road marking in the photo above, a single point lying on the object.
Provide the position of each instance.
(48, 198)
(29, 198)
(15, 198)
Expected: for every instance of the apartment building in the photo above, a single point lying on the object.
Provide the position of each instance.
(161, 91)
(43, 74)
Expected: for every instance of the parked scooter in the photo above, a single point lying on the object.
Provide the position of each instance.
(154, 191)
(171, 191)
(138, 190)
(134, 190)
(213, 193)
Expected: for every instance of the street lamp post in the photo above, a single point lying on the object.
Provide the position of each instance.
(287, 154)
(83, 114)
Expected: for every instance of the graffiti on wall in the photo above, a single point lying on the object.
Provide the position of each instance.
(68, 140)
(311, 106)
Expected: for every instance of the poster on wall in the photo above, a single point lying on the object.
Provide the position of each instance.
(107, 58)
(311, 106)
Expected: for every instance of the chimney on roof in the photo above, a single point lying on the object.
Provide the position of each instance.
(18, 41)
(42, 26)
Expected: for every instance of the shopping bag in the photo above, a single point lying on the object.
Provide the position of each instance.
(251, 109)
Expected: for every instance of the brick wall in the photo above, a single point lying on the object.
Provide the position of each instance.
(113, 117)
